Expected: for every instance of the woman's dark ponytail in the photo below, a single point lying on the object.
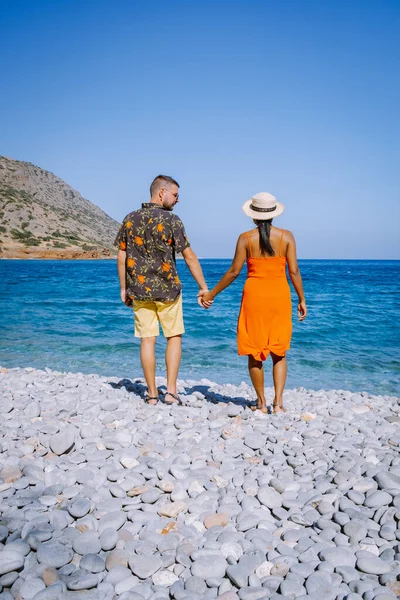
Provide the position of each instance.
(264, 230)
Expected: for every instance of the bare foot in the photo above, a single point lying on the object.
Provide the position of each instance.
(278, 408)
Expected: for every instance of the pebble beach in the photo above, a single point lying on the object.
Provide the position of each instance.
(103, 497)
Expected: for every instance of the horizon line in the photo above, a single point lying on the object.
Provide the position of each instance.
(298, 258)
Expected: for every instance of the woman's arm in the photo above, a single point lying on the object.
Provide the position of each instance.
(231, 274)
(295, 275)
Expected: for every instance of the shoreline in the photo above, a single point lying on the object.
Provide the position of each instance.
(89, 254)
(240, 385)
(54, 254)
(104, 496)
(244, 388)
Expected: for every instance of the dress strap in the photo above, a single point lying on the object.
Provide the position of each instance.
(280, 244)
(249, 244)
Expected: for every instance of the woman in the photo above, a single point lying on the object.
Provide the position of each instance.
(265, 319)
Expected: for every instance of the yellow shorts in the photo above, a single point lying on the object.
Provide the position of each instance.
(148, 314)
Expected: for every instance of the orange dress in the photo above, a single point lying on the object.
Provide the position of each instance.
(265, 318)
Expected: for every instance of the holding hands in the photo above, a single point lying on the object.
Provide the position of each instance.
(205, 298)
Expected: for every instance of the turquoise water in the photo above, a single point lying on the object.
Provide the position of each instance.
(67, 315)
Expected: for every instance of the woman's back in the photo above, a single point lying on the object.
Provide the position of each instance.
(277, 240)
(265, 266)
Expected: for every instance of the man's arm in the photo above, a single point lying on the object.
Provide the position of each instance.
(195, 268)
(122, 273)
(232, 273)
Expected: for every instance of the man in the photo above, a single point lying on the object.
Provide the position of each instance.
(148, 240)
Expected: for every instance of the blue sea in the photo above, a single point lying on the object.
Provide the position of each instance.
(67, 315)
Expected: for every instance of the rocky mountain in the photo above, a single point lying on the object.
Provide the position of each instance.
(43, 217)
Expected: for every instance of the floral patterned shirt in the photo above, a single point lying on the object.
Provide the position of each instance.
(150, 237)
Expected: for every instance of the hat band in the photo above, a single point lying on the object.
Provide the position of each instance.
(257, 209)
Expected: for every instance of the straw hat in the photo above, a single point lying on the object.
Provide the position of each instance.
(263, 206)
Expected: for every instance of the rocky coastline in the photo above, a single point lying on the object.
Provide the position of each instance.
(46, 254)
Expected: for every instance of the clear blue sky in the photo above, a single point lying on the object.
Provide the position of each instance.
(298, 98)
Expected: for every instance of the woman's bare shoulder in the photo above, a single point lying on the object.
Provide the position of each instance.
(277, 232)
(244, 234)
(242, 242)
(250, 232)
(242, 239)
(288, 235)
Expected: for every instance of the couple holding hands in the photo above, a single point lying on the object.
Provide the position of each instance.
(148, 240)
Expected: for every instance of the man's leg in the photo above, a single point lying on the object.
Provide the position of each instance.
(171, 319)
(172, 360)
(148, 360)
(146, 328)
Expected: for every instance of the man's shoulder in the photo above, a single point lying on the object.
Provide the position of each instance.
(130, 216)
(175, 219)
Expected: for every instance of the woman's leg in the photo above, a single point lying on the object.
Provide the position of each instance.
(256, 372)
(279, 372)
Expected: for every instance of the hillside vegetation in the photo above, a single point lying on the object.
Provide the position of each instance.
(42, 215)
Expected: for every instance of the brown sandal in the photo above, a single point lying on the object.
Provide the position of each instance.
(258, 406)
(176, 398)
(278, 408)
(148, 398)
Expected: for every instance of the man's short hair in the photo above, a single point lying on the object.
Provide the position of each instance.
(159, 182)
